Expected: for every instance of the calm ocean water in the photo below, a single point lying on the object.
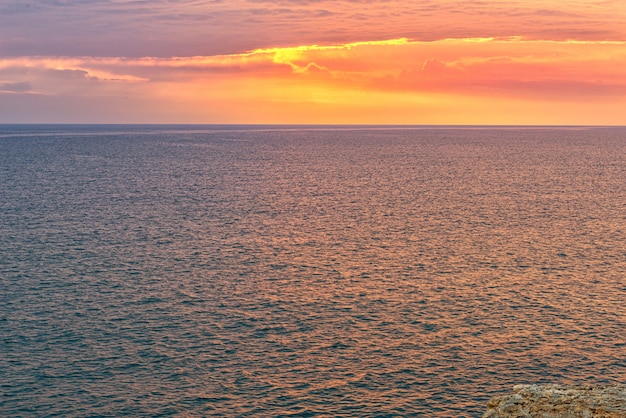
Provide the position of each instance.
(275, 271)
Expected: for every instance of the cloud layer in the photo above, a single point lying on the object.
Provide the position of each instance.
(468, 80)
(194, 27)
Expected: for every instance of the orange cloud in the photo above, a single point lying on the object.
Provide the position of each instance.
(467, 80)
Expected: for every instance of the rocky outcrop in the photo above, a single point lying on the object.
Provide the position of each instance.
(559, 401)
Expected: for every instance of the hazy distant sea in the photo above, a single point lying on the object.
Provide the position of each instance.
(308, 271)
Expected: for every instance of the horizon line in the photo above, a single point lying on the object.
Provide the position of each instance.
(378, 125)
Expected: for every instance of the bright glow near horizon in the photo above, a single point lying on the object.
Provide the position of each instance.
(547, 73)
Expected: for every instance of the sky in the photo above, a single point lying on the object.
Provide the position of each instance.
(313, 62)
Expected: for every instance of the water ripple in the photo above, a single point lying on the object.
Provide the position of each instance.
(152, 271)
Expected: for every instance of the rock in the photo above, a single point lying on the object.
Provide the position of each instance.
(560, 401)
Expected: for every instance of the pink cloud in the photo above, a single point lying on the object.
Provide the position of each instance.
(396, 74)
(191, 28)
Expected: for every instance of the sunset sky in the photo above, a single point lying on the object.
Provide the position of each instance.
(313, 61)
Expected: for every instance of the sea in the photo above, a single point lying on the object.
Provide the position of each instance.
(308, 271)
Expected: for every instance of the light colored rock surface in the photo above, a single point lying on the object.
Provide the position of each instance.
(559, 401)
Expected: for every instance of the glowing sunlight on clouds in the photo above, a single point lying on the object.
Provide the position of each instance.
(468, 80)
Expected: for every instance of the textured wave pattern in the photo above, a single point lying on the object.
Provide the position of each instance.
(207, 271)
